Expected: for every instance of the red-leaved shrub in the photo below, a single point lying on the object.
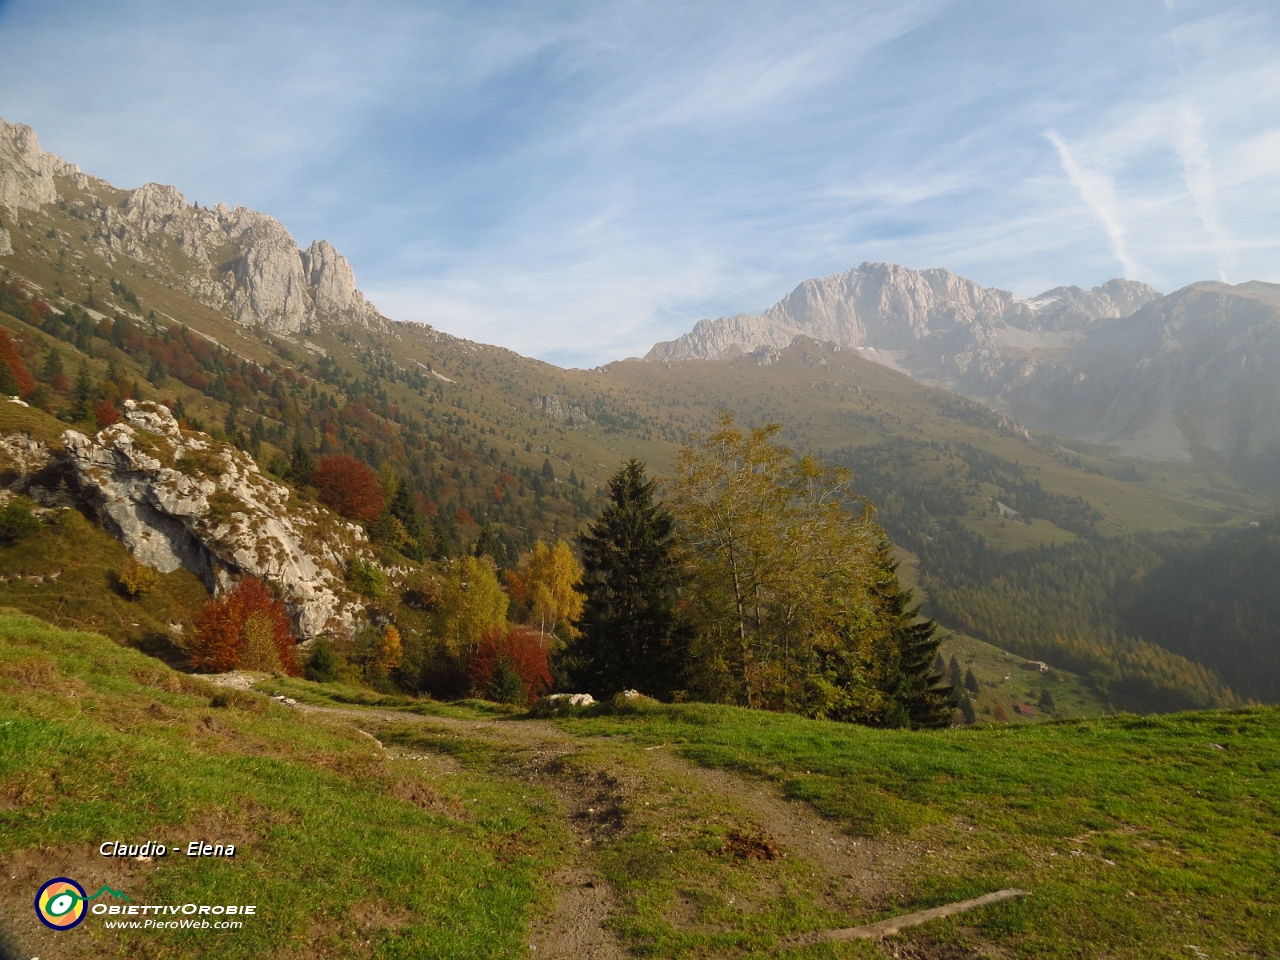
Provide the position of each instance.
(522, 649)
(348, 487)
(105, 413)
(247, 627)
(16, 377)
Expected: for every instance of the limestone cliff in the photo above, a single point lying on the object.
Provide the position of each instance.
(180, 499)
(233, 259)
(28, 175)
(933, 324)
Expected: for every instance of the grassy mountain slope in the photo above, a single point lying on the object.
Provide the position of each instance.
(662, 830)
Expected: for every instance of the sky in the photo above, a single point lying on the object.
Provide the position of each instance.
(577, 180)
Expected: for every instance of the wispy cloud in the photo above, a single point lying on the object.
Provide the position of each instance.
(577, 179)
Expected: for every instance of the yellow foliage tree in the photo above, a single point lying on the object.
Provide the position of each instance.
(389, 652)
(547, 584)
(783, 560)
(470, 602)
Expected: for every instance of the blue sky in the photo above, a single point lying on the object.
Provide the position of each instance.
(577, 180)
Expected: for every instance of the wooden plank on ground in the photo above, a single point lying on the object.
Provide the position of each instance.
(887, 928)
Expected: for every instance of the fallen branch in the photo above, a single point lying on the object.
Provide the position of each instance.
(887, 928)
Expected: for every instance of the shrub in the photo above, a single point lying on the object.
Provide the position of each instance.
(136, 579)
(506, 653)
(16, 523)
(246, 627)
(366, 579)
(105, 413)
(322, 665)
(348, 487)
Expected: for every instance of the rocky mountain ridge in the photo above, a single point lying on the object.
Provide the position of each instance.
(940, 328)
(1191, 375)
(1194, 375)
(235, 260)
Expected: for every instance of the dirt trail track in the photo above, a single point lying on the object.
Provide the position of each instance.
(590, 800)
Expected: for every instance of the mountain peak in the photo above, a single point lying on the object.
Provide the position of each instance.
(939, 326)
(238, 260)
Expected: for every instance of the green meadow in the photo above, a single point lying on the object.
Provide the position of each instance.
(386, 827)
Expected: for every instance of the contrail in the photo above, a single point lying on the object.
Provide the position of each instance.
(1099, 194)
(1198, 176)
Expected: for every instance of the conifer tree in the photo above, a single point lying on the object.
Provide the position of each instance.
(918, 695)
(631, 635)
(970, 681)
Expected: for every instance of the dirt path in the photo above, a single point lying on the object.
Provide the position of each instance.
(592, 800)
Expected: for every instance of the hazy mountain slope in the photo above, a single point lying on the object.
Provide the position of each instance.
(1193, 374)
(1196, 373)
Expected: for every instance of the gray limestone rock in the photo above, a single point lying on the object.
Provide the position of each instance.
(181, 499)
(240, 261)
(27, 173)
(932, 324)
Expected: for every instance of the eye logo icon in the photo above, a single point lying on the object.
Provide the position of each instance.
(61, 902)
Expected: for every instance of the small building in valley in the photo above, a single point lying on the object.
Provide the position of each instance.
(1024, 709)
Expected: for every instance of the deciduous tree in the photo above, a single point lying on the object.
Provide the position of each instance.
(15, 379)
(547, 585)
(505, 653)
(470, 602)
(348, 487)
(782, 556)
(245, 627)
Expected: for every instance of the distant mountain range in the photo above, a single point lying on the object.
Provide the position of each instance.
(1191, 375)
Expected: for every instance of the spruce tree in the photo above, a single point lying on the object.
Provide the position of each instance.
(301, 465)
(631, 636)
(918, 696)
(970, 681)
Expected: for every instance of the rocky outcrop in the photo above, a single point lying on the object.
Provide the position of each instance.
(181, 499)
(6, 243)
(1073, 308)
(238, 260)
(242, 261)
(28, 174)
(555, 408)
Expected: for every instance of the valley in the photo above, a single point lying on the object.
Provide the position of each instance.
(112, 294)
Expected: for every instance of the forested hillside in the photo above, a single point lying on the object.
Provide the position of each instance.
(478, 451)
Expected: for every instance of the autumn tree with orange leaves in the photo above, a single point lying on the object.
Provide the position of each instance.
(510, 665)
(348, 487)
(15, 379)
(247, 628)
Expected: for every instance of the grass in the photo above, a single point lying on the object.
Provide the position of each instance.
(1136, 836)
(85, 594)
(1005, 681)
(345, 853)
